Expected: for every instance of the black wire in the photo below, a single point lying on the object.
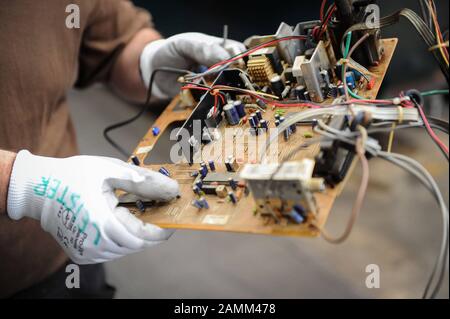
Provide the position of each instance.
(145, 107)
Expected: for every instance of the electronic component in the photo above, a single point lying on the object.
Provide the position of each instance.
(231, 114)
(240, 108)
(164, 171)
(260, 69)
(277, 85)
(276, 188)
(155, 130)
(231, 164)
(212, 165)
(232, 197)
(135, 160)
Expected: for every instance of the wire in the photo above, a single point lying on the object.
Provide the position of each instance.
(256, 48)
(430, 131)
(360, 151)
(347, 56)
(143, 110)
(439, 37)
(434, 92)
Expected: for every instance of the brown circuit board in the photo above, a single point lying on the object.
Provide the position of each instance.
(223, 215)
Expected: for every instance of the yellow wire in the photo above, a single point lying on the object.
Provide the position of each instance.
(436, 27)
(391, 138)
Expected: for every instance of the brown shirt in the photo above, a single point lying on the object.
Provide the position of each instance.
(40, 59)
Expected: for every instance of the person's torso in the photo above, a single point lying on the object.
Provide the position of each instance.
(38, 64)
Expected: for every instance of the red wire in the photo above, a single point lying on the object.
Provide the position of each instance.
(430, 130)
(325, 24)
(322, 9)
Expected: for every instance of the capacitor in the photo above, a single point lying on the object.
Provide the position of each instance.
(155, 131)
(341, 90)
(300, 92)
(307, 96)
(259, 115)
(252, 122)
(293, 128)
(196, 190)
(164, 171)
(135, 160)
(199, 184)
(140, 205)
(277, 85)
(204, 202)
(194, 174)
(350, 79)
(240, 108)
(232, 183)
(232, 197)
(196, 203)
(277, 122)
(286, 91)
(286, 134)
(296, 217)
(212, 165)
(264, 124)
(333, 91)
(204, 167)
(325, 76)
(299, 209)
(255, 118)
(277, 116)
(231, 114)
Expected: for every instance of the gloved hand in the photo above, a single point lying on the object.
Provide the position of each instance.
(75, 202)
(183, 51)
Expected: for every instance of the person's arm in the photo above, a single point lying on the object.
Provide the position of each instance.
(74, 200)
(126, 77)
(6, 164)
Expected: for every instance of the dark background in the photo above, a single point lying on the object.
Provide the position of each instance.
(412, 62)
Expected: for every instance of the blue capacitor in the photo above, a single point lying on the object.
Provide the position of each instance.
(299, 209)
(204, 202)
(264, 124)
(204, 168)
(164, 171)
(196, 190)
(255, 117)
(194, 173)
(199, 184)
(240, 108)
(350, 78)
(196, 203)
(212, 165)
(296, 217)
(135, 160)
(293, 128)
(231, 114)
(232, 197)
(259, 115)
(252, 122)
(232, 183)
(155, 130)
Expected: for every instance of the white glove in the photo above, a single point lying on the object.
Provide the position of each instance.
(182, 51)
(75, 202)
